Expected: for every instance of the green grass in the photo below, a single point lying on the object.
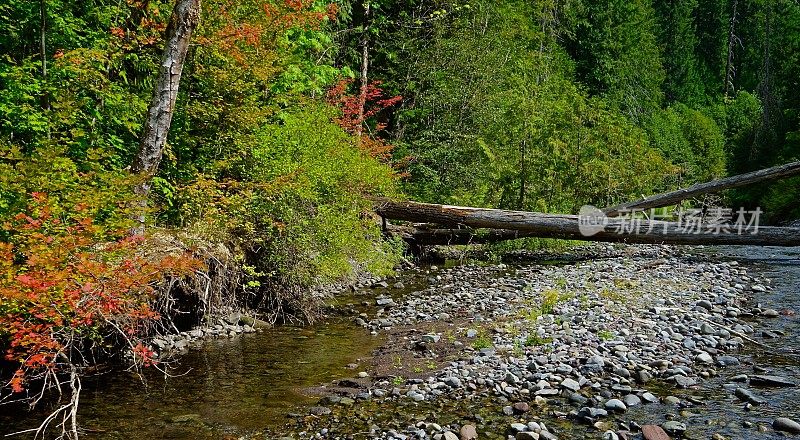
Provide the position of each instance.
(605, 335)
(537, 341)
(482, 340)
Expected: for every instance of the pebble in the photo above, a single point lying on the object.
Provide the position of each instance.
(649, 397)
(704, 357)
(521, 407)
(784, 424)
(615, 405)
(748, 396)
(771, 381)
(571, 384)
(468, 432)
(593, 351)
(654, 432)
(431, 339)
(727, 361)
(319, 410)
(631, 400)
(518, 427)
(674, 427)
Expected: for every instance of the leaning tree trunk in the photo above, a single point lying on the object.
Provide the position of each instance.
(532, 224)
(675, 197)
(182, 23)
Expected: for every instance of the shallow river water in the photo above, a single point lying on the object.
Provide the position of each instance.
(233, 387)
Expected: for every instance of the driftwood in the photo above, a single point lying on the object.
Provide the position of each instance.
(675, 197)
(516, 224)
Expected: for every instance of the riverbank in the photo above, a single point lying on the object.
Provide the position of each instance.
(590, 350)
(533, 344)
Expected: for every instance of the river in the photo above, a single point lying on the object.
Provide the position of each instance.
(230, 388)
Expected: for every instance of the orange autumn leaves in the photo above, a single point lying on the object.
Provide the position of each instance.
(64, 281)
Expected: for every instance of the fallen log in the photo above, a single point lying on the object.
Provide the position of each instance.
(449, 237)
(460, 221)
(675, 197)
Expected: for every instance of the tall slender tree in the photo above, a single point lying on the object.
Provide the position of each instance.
(184, 19)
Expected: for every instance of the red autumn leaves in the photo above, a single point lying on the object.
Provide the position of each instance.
(65, 281)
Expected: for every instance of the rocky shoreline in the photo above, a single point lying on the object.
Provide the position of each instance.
(556, 351)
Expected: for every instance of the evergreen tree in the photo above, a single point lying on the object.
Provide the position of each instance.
(615, 49)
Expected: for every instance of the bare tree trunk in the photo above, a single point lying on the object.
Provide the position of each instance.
(362, 95)
(674, 197)
(730, 71)
(182, 23)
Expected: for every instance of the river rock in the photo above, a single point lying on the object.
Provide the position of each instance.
(771, 381)
(547, 435)
(748, 396)
(571, 384)
(615, 405)
(385, 302)
(453, 382)
(705, 304)
(786, 425)
(674, 427)
(649, 397)
(577, 398)
(468, 432)
(727, 361)
(527, 435)
(610, 435)
(684, 381)
(592, 413)
(449, 436)
(319, 411)
(704, 358)
(518, 427)
(521, 407)
(431, 339)
(653, 432)
(631, 400)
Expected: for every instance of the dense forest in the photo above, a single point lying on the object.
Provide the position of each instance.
(292, 115)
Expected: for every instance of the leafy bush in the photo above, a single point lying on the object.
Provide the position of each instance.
(296, 204)
(72, 287)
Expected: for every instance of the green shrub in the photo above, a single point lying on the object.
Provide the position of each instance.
(298, 207)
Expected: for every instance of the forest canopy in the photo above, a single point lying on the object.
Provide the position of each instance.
(291, 116)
